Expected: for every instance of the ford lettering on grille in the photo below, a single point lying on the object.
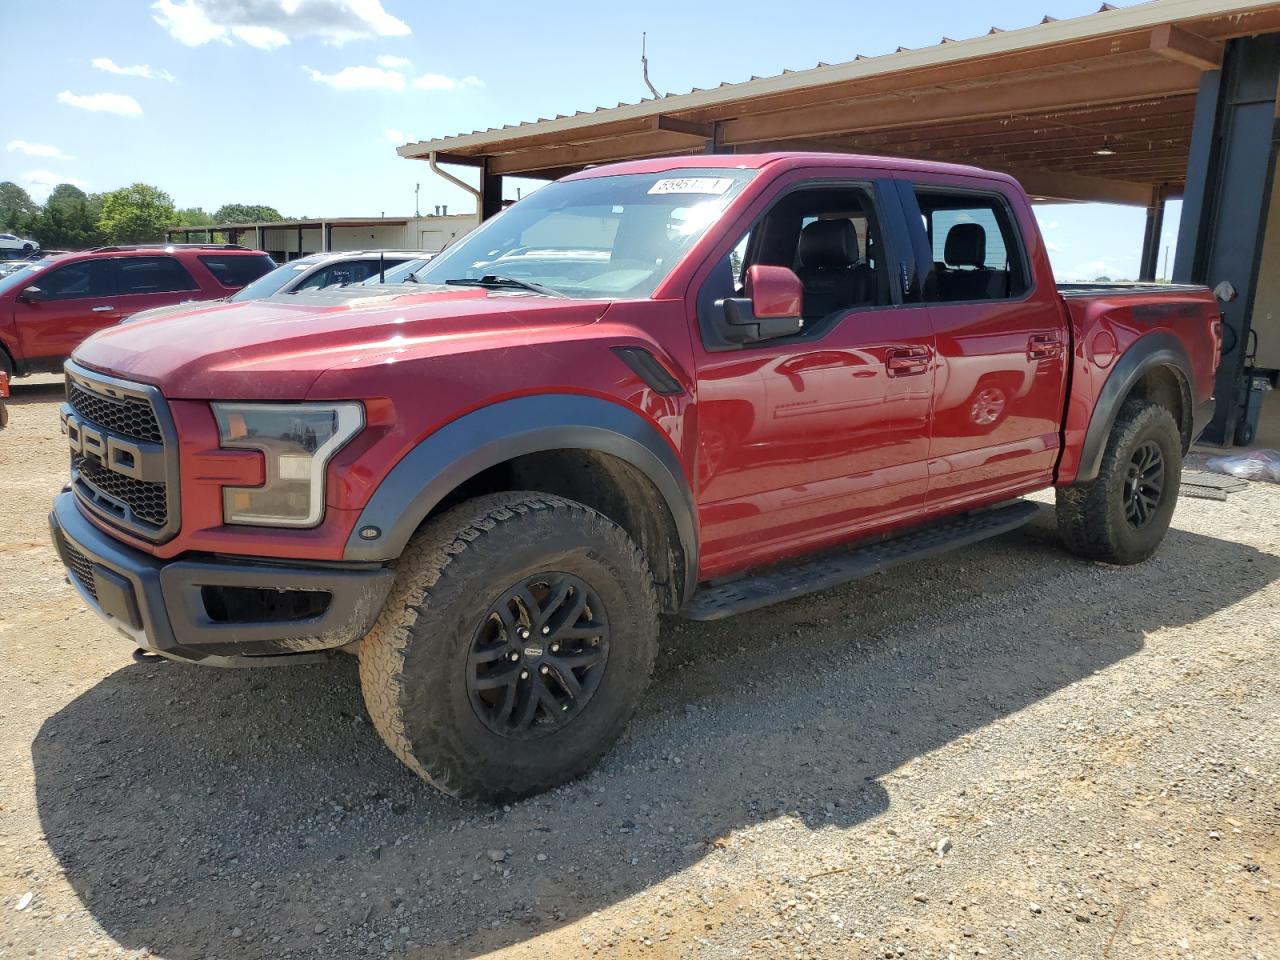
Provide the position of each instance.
(121, 468)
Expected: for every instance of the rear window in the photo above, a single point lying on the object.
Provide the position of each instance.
(240, 270)
(151, 275)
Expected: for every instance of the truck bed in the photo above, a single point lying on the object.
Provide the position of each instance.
(1114, 289)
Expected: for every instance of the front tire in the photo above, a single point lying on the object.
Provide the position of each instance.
(516, 643)
(1122, 516)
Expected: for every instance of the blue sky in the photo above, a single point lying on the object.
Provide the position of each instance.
(300, 103)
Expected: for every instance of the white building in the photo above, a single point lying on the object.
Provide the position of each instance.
(289, 239)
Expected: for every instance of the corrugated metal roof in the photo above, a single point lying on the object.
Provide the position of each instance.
(1108, 19)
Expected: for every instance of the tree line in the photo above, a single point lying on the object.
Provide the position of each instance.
(71, 219)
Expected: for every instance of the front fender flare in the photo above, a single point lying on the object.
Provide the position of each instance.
(1158, 349)
(494, 434)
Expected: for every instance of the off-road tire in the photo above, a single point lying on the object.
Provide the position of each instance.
(413, 663)
(1091, 517)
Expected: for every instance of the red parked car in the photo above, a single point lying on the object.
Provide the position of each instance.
(48, 307)
(693, 385)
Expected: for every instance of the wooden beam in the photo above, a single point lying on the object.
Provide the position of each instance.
(1071, 186)
(703, 131)
(1171, 41)
(1017, 95)
(630, 147)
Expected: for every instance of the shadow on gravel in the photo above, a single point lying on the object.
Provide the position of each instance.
(39, 390)
(185, 803)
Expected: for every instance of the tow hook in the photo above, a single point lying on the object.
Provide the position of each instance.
(146, 656)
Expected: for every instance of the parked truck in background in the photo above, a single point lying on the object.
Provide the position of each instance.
(689, 386)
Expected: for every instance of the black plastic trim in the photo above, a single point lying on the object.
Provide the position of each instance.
(159, 607)
(497, 433)
(1156, 349)
(650, 369)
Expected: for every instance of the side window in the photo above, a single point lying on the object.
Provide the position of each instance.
(88, 278)
(340, 272)
(977, 252)
(135, 275)
(238, 270)
(829, 237)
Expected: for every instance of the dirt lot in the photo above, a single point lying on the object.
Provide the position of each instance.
(1004, 752)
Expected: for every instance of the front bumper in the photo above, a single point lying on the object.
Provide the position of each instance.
(179, 610)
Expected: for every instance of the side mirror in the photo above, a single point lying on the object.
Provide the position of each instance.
(772, 308)
(32, 294)
(1225, 291)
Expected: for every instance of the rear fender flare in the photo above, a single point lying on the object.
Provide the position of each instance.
(502, 431)
(1159, 349)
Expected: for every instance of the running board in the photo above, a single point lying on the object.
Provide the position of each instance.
(797, 580)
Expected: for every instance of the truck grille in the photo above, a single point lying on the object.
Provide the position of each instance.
(129, 416)
(147, 500)
(81, 568)
(123, 453)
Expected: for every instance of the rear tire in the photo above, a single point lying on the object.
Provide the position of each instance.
(460, 677)
(1122, 516)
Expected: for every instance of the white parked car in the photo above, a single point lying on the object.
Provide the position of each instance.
(9, 242)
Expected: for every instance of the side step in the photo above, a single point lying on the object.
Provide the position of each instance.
(762, 589)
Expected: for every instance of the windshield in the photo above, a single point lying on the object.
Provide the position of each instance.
(20, 277)
(270, 283)
(616, 236)
(399, 273)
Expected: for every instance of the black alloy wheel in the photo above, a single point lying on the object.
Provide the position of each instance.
(1143, 484)
(538, 656)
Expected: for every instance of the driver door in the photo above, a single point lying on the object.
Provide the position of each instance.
(78, 299)
(821, 436)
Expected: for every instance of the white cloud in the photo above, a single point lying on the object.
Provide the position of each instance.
(264, 38)
(40, 183)
(383, 78)
(395, 136)
(1052, 247)
(267, 24)
(1053, 225)
(37, 150)
(387, 60)
(118, 103)
(140, 70)
(438, 81)
(359, 78)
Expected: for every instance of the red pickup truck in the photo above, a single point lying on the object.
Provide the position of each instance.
(693, 386)
(50, 305)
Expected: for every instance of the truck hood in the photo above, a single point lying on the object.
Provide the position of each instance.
(275, 350)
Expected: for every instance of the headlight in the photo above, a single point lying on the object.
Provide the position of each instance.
(298, 440)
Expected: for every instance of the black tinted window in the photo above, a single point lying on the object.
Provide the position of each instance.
(237, 271)
(977, 253)
(348, 271)
(151, 275)
(88, 278)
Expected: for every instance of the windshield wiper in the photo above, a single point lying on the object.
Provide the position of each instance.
(492, 280)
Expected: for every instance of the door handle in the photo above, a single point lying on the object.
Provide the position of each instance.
(1044, 347)
(103, 309)
(907, 361)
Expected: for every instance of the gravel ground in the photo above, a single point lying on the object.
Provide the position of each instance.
(1004, 752)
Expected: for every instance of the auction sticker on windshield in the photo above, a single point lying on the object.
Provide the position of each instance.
(705, 185)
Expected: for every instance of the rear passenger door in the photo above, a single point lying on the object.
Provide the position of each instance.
(1001, 341)
(146, 282)
(817, 437)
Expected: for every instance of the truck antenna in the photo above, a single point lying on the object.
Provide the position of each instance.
(644, 66)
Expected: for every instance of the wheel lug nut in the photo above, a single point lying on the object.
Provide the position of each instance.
(544, 669)
(514, 656)
(524, 674)
(555, 648)
(524, 634)
(545, 631)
